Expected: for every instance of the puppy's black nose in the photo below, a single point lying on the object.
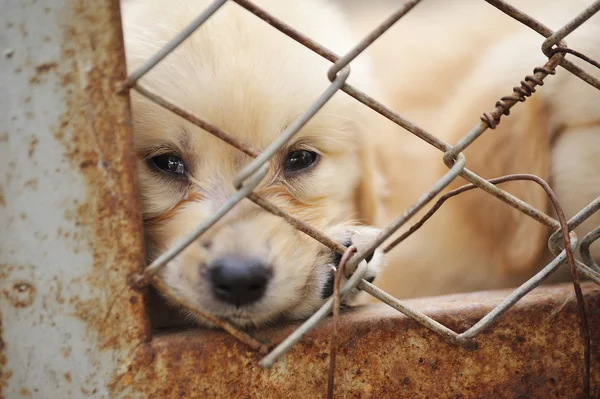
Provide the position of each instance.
(237, 280)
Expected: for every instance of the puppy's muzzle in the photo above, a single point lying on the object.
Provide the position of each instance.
(238, 280)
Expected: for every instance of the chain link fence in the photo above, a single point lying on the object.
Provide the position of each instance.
(562, 243)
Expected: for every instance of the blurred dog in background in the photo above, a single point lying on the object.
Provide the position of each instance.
(444, 64)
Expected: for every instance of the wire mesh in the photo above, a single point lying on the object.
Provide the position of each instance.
(251, 176)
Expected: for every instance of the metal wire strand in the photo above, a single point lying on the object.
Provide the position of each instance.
(520, 94)
(171, 45)
(573, 24)
(292, 129)
(370, 38)
(170, 254)
(492, 119)
(336, 315)
(584, 249)
(312, 322)
(241, 336)
(543, 30)
(577, 54)
(536, 280)
(196, 120)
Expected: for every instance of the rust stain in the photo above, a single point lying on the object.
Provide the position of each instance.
(24, 32)
(41, 70)
(66, 351)
(20, 294)
(5, 374)
(94, 133)
(25, 393)
(45, 67)
(57, 289)
(529, 353)
(33, 144)
(32, 184)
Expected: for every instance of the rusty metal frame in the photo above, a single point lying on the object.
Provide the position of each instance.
(69, 209)
(562, 243)
(533, 352)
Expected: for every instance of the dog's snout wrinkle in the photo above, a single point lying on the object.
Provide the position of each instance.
(238, 280)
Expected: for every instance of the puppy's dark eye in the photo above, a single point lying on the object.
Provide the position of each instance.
(300, 159)
(169, 163)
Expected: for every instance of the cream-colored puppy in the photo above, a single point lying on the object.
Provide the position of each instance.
(442, 66)
(242, 75)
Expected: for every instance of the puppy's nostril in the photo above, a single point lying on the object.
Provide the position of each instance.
(237, 280)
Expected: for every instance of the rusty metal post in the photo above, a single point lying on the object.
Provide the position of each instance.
(71, 230)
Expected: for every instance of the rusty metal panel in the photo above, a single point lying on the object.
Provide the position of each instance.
(533, 352)
(69, 216)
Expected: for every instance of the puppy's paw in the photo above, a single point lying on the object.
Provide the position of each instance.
(361, 237)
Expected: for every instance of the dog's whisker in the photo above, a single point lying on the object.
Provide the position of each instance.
(344, 135)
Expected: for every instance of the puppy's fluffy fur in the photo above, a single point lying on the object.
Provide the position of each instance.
(240, 74)
(243, 76)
